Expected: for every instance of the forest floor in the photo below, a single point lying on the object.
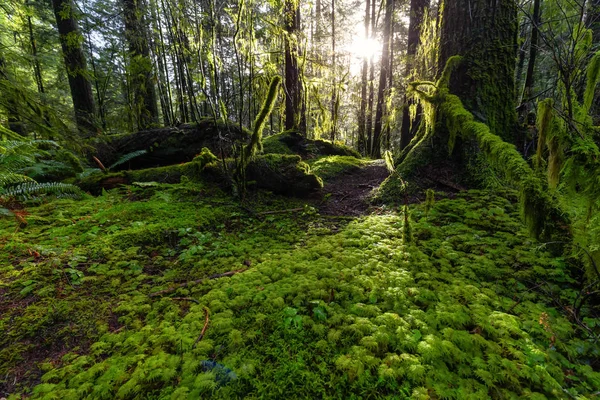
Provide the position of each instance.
(176, 291)
(350, 193)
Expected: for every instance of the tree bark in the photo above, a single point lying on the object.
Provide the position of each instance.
(417, 15)
(292, 86)
(75, 63)
(383, 79)
(362, 138)
(485, 35)
(369, 123)
(140, 66)
(10, 103)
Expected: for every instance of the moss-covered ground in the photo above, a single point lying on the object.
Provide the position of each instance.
(459, 304)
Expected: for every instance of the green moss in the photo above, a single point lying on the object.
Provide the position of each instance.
(291, 143)
(454, 313)
(329, 167)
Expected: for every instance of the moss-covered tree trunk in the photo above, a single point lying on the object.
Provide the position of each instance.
(76, 65)
(483, 32)
(140, 66)
(417, 15)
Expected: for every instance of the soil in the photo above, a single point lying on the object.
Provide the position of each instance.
(349, 194)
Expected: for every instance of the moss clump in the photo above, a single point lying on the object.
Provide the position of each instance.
(293, 143)
(283, 174)
(331, 166)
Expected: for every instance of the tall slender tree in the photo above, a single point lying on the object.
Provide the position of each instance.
(383, 79)
(292, 87)
(362, 136)
(140, 65)
(76, 65)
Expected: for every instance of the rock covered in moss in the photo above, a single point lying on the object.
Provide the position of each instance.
(292, 143)
(283, 174)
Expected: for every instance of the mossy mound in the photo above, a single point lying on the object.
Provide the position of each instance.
(329, 167)
(283, 174)
(293, 143)
(168, 146)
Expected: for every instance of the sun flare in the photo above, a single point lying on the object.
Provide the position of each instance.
(361, 47)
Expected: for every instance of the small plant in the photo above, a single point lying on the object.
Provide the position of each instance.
(429, 200)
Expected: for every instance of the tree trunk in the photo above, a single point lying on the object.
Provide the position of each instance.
(369, 123)
(362, 138)
(383, 79)
(75, 63)
(333, 69)
(140, 65)
(533, 49)
(417, 14)
(485, 35)
(526, 106)
(10, 104)
(292, 74)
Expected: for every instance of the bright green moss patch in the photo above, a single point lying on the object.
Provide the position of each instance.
(326, 310)
(331, 166)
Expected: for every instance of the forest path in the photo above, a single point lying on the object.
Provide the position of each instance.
(349, 194)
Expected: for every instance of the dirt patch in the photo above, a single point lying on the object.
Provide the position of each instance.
(349, 194)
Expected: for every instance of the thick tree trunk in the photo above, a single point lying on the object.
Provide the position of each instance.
(292, 86)
(75, 63)
(417, 14)
(485, 35)
(383, 79)
(140, 66)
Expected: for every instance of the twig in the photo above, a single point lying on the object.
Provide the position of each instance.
(280, 211)
(523, 296)
(203, 328)
(185, 299)
(99, 163)
(196, 282)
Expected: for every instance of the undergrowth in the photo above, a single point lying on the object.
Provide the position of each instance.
(470, 308)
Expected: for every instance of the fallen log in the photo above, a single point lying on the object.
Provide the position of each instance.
(167, 146)
(278, 173)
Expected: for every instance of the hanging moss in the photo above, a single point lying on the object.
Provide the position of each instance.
(539, 210)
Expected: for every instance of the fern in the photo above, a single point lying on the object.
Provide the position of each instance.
(31, 190)
(127, 157)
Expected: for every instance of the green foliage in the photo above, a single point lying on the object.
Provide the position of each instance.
(126, 158)
(454, 313)
(21, 158)
(429, 200)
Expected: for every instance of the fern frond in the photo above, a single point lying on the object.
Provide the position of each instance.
(9, 134)
(127, 157)
(11, 178)
(31, 190)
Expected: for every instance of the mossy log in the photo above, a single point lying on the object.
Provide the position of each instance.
(168, 146)
(281, 174)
